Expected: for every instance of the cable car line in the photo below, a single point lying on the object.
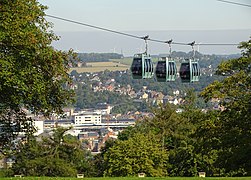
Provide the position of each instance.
(139, 37)
(166, 69)
(231, 2)
(216, 44)
(95, 27)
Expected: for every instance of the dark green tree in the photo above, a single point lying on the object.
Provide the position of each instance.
(140, 153)
(100, 164)
(56, 155)
(173, 131)
(234, 128)
(33, 75)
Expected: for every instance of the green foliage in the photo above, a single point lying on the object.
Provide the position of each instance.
(169, 126)
(86, 98)
(233, 127)
(183, 161)
(9, 130)
(58, 155)
(28, 62)
(49, 166)
(32, 73)
(132, 178)
(6, 173)
(173, 132)
(100, 164)
(140, 153)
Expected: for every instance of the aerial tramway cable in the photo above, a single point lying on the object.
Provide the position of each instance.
(235, 3)
(142, 65)
(138, 37)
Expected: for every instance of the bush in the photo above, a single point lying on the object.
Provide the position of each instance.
(6, 173)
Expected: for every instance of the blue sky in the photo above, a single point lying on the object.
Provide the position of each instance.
(149, 16)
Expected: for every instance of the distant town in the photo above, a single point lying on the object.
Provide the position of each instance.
(93, 125)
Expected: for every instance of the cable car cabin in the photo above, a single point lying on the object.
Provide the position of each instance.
(189, 71)
(166, 70)
(142, 66)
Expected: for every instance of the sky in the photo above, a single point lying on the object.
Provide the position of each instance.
(203, 21)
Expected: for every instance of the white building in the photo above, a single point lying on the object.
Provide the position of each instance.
(177, 92)
(87, 118)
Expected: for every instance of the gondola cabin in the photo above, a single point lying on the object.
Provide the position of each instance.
(189, 71)
(166, 70)
(142, 66)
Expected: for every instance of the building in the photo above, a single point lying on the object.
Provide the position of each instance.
(87, 118)
(39, 125)
(104, 108)
(48, 124)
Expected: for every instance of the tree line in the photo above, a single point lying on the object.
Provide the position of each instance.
(98, 57)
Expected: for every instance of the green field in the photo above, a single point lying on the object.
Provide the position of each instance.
(136, 178)
(125, 61)
(101, 66)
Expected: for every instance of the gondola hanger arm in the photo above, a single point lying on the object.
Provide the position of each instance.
(146, 38)
(170, 49)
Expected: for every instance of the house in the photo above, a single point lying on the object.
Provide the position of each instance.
(144, 96)
(48, 124)
(158, 98)
(174, 101)
(176, 93)
(132, 93)
(68, 112)
(104, 108)
(171, 100)
(92, 139)
(90, 136)
(110, 88)
(95, 78)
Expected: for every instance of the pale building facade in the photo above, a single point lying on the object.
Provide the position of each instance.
(87, 118)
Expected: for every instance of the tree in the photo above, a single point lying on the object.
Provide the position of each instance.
(33, 74)
(99, 160)
(234, 129)
(197, 152)
(140, 153)
(56, 155)
(173, 132)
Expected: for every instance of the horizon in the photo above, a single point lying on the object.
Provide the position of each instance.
(105, 42)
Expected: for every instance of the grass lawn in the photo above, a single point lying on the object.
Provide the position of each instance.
(136, 178)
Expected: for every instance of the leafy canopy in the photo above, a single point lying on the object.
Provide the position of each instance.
(233, 130)
(33, 74)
